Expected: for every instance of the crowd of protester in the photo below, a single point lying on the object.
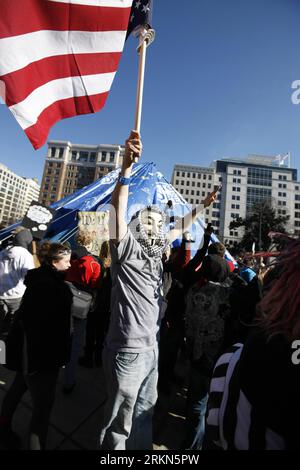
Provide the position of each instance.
(137, 307)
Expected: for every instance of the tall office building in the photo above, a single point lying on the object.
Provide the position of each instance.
(70, 167)
(245, 181)
(16, 195)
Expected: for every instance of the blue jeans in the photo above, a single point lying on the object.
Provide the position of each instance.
(131, 384)
(77, 343)
(197, 398)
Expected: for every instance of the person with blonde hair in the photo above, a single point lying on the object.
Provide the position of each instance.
(98, 318)
(85, 275)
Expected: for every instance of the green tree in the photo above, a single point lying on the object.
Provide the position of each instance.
(262, 219)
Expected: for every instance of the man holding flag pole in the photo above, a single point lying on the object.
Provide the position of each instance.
(130, 356)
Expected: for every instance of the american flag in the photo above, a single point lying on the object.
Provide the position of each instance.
(58, 58)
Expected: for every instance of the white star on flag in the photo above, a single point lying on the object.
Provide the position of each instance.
(137, 4)
(146, 8)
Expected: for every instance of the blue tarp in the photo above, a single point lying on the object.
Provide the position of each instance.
(148, 186)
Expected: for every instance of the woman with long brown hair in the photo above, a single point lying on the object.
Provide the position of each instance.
(44, 323)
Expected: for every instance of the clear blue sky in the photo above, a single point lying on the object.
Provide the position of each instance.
(218, 83)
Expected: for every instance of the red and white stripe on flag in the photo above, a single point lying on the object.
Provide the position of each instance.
(58, 58)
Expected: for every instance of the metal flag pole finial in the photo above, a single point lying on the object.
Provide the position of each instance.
(146, 35)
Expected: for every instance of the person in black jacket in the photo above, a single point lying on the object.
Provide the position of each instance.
(45, 320)
(254, 397)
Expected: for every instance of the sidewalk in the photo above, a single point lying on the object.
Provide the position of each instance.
(76, 418)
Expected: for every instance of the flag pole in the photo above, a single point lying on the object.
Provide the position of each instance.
(146, 37)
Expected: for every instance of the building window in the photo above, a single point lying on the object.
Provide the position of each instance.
(194, 175)
(183, 173)
(176, 182)
(74, 156)
(260, 176)
(92, 157)
(52, 152)
(103, 157)
(177, 173)
(83, 156)
(111, 157)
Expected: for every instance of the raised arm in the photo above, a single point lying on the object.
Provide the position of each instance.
(185, 222)
(119, 201)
